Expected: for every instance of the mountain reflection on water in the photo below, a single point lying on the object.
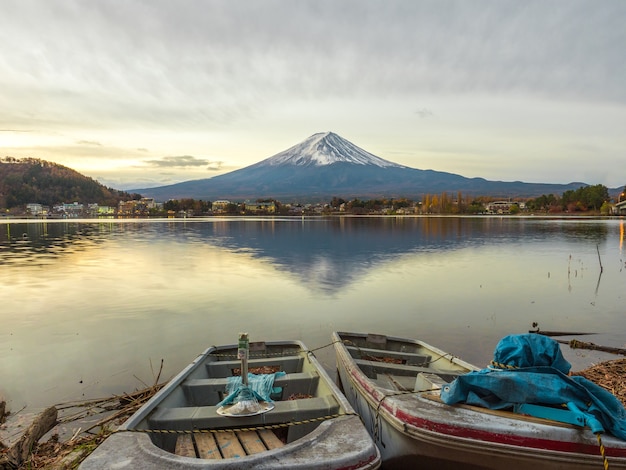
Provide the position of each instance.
(325, 253)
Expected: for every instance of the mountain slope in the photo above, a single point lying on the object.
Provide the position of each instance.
(23, 181)
(325, 148)
(326, 165)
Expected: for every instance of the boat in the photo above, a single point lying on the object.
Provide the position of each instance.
(397, 386)
(306, 422)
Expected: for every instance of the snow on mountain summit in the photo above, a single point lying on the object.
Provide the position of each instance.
(326, 148)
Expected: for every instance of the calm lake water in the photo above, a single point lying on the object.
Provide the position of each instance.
(90, 308)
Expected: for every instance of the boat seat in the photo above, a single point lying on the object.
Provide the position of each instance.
(203, 392)
(288, 364)
(206, 417)
(406, 357)
(372, 368)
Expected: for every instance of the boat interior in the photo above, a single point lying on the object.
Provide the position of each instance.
(400, 365)
(196, 429)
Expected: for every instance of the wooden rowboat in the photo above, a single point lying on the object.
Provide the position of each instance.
(310, 423)
(394, 384)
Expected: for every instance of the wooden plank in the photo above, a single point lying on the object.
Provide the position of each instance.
(503, 413)
(184, 446)
(207, 447)
(270, 439)
(229, 445)
(251, 442)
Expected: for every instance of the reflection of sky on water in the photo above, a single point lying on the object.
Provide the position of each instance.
(95, 302)
(325, 254)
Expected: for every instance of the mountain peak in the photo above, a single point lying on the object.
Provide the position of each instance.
(326, 148)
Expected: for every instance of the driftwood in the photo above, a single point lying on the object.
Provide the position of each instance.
(60, 454)
(559, 333)
(575, 344)
(539, 331)
(56, 454)
(18, 452)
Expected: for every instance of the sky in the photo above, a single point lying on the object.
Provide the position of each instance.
(137, 94)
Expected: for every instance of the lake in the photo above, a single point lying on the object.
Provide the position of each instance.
(91, 307)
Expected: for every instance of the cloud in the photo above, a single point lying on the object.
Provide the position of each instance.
(236, 79)
(424, 113)
(185, 161)
(282, 51)
(89, 142)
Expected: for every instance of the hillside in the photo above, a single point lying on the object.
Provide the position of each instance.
(23, 181)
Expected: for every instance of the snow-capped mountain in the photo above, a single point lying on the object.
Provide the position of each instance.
(326, 148)
(326, 165)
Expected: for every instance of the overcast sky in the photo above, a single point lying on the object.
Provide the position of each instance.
(147, 93)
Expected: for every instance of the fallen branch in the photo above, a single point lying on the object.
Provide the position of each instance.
(575, 344)
(559, 333)
(539, 331)
(19, 451)
(54, 454)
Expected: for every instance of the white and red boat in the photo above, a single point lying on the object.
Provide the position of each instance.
(395, 384)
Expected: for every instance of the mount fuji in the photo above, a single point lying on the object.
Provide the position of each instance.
(326, 165)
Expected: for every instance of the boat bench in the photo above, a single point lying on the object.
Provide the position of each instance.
(408, 358)
(206, 417)
(288, 364)
(226, 445)
(203, 392)
(373, 368)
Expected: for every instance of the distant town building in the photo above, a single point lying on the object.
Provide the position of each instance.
(502, 207)
(34, 209)
(106, 210)
(260, 207)
(220, 206)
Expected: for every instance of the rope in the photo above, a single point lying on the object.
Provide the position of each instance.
(499, 365)
(253, 428)
(261, 355)
(605, 461)
(282, 354)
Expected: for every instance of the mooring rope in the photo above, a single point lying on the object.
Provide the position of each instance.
(251, 428)
(605, 461)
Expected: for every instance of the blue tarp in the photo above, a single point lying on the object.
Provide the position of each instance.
(530, 368)
(259, 386)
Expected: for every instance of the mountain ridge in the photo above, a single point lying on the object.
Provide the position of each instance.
(326, 165)
(31, 180)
